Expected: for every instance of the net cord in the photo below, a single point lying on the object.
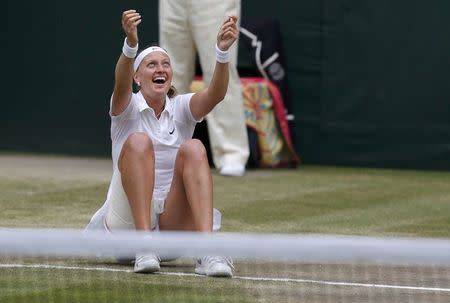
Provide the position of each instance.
(299, 248)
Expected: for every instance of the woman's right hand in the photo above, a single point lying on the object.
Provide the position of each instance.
(130, 20)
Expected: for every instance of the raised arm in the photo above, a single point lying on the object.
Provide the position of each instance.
(204, 101)
(123, 85)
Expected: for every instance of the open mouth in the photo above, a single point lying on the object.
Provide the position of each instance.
(159, 80)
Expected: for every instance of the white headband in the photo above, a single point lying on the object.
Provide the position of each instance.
(144, 53)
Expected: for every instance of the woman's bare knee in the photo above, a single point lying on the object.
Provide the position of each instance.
(138, 145)
(138, 142)
(193, 150)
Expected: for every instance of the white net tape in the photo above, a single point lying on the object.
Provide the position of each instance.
(301, 248)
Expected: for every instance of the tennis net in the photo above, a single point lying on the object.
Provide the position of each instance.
(61, 265)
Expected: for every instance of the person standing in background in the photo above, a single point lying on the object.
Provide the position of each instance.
(185, 28)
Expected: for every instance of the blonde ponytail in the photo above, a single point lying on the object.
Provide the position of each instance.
(172, 92)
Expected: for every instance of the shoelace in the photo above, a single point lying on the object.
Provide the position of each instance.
(218, 259)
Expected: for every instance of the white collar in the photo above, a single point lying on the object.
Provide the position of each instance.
(142, 104)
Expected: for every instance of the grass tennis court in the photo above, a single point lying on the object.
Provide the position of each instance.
(63, 192)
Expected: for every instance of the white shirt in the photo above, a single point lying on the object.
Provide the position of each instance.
(174, 126)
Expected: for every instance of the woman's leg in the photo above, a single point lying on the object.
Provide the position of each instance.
(137, 167)
(190, 200)
(189, 204)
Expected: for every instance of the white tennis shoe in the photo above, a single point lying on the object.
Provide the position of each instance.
(146, 263)
(214, 266)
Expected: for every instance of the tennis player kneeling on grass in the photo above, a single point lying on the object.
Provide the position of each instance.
(161, 178)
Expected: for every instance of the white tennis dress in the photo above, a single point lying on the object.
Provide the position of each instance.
(175, 125)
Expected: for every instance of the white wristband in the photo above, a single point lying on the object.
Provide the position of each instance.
(128, 51)
(222, 56)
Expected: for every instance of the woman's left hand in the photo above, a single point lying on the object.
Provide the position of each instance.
(228, 33)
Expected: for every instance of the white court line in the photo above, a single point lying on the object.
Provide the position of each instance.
(179, 274)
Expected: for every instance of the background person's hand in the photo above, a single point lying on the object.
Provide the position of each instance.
(228, 33)
(130, 20)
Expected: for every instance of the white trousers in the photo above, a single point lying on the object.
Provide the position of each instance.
(190, 26)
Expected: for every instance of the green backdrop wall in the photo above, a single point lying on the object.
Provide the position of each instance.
(369, 80)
